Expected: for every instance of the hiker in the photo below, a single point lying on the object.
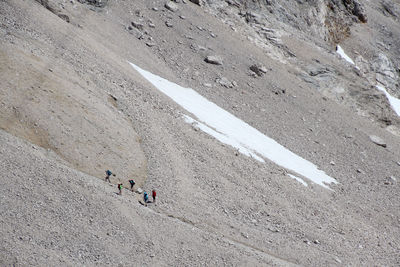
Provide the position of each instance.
(108, 174)
(120, 186)
(132, 182)
(145, 197)
(154, 194)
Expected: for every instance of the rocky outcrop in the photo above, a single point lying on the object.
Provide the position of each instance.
(95, 3)
(356, 8)
(391, 9)
(52, 7)
(330, 19)
(197, 2)
(385, 72)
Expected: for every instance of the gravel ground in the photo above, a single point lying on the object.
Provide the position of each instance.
(215, 207)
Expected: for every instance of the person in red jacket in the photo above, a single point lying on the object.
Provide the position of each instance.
(154, 194)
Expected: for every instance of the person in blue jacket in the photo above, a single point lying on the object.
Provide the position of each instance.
(108, 174)
(145, 197)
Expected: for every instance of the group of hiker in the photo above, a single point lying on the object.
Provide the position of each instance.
(132, 183)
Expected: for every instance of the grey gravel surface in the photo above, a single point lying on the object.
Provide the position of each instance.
(71, 107)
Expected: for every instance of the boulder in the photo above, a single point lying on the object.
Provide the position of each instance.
(171, 6)
(377, 140)
(258, 69)
(216, 60)
(96, 3)
(252, 17)
(224, 82)
(139, 190)
(64, 17)
(137, 25)
(197, 2)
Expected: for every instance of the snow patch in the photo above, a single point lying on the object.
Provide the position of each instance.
(298, 179)
(223, 138)
(394, 102)
(230, 130)
(341, 52)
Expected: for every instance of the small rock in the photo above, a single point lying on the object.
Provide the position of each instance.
(390, 180)
(253, 17)
(245, 235)
(316, 241)
(233, 3)
(151, 25)
(197, 2)
(171, 6)
(169, 24)
(377, 140)
(338, 260)
(64, 17)
(216, 60)
(150, 44)
(137, 25)
(398, 163)
(307, 242)
(258, 69)
(332, 163)
(224, 82)
(113, 97)
(182, 17)
(195, 126)
(155, 9)
(139, 190)
(207, 84)
(359, 171)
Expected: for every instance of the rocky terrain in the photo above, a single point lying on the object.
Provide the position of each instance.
(71, 107)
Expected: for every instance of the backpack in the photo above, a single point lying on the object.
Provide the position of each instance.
(108, 172)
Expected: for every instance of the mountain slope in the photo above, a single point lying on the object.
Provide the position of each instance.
(75, 107)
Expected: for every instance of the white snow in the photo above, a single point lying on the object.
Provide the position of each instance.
(223, 138)
(394, 102)
(341, 52)
(298, 179)
(231, 130)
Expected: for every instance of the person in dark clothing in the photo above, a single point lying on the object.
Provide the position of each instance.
(108, 174)
(145, 197)
(120, 186)
(132, 182)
